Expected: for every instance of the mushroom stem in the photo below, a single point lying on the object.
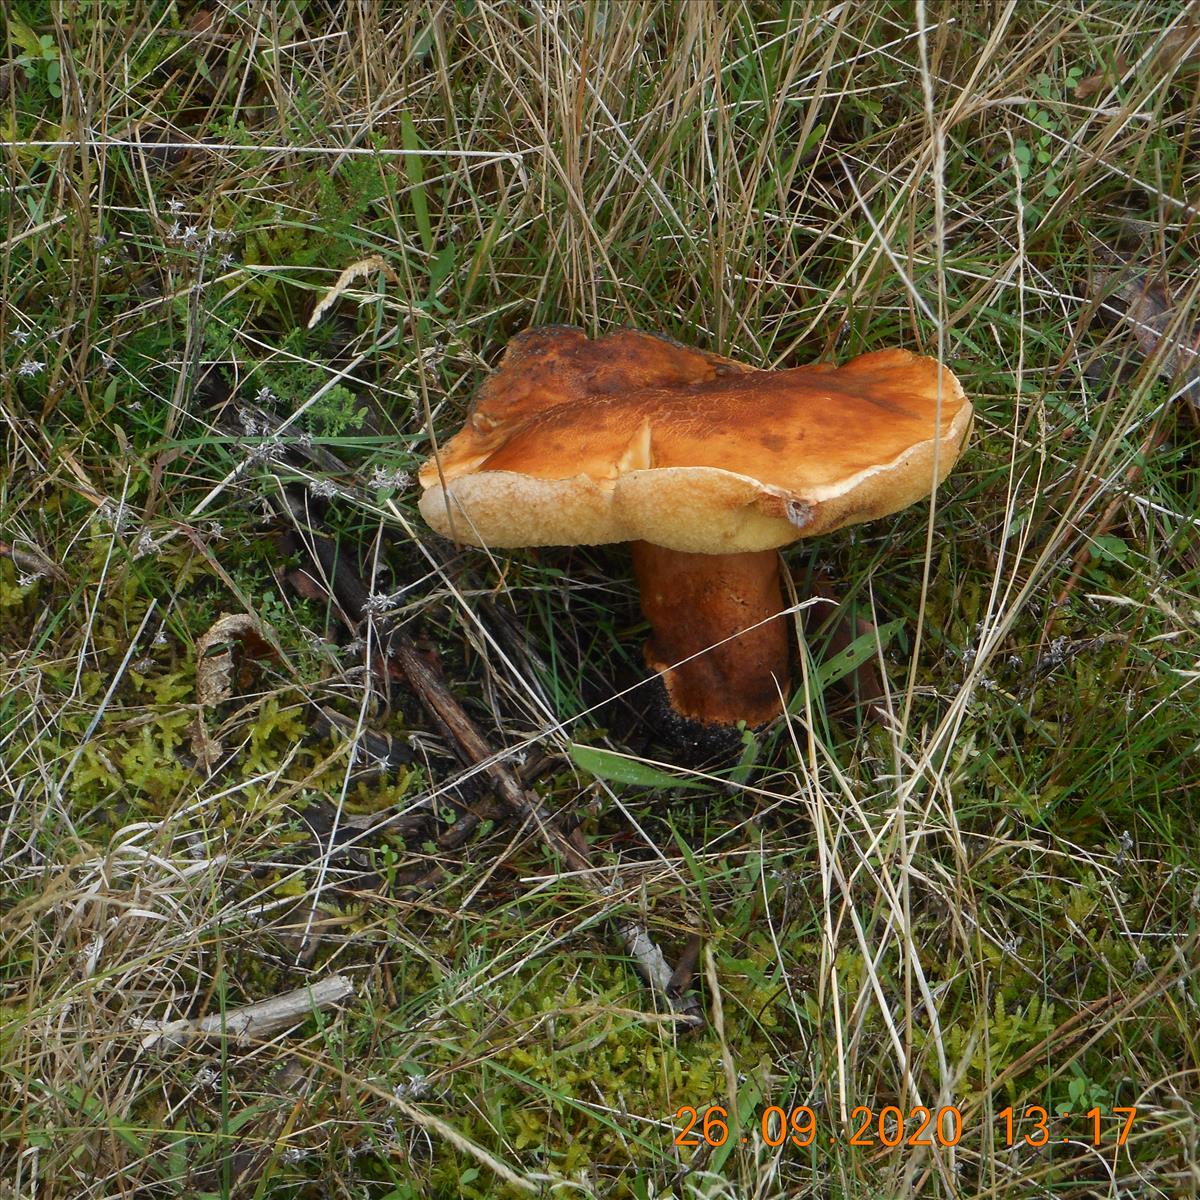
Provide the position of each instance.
(694, 603)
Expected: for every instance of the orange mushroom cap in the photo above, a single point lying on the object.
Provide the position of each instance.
(631, 437)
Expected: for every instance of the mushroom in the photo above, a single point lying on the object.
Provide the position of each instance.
(707, 467)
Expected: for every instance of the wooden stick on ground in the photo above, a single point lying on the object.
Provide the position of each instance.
(251, 1023)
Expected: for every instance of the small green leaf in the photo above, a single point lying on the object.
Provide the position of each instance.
(618, 768)
(858, 652)
(818, 132)
(416, 177)
(24, 36)
(749, 756)
(1111, 547)
(441, 267)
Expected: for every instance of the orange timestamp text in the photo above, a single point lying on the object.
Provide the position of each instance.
(890, 1126)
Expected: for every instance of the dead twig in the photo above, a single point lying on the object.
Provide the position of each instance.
(685, 969)
(249, 1024)
(524, 803)
(32, 560)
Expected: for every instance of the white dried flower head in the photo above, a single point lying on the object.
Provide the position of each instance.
(377, 602)
(20, 336)
(24, 581)
(175, 205)
(99, 240)
(248, 422)
(145, 544)
(143, 666)
(30, 367)
(304, 440)
(382, 478)
(416, 1087)
(114, 514)
(1124, 845)
(216, 531)
(264, 395)
(160, 638)
(189, 234)
(324, 489)
(267, 451)
(225, 261)
(174, 232)
(107, 360)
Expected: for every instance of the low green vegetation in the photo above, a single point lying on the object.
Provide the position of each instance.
(988, 901)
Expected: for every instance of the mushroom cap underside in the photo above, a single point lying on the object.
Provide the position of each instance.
(568, 444)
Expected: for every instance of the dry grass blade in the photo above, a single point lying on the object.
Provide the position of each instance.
(343, 283)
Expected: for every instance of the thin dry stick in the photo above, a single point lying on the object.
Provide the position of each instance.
(32, 560)
(249, 1024)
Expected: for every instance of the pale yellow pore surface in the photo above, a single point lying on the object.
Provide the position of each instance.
(696, 509)
(564, 447)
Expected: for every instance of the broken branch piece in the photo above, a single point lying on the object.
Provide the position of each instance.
(251, 1023)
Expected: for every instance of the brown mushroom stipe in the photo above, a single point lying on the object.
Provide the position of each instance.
(693, 602)
(712, 464)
